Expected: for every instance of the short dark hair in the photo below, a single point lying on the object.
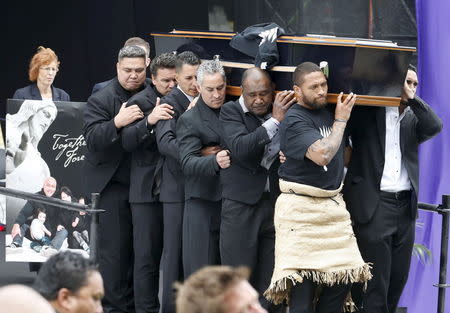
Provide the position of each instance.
(412, 68)
(131, 52)
(39, 210)
(165, 60)
(137, 41)
(304, 69)
(66, 190)
(63, 270)
(187, 57)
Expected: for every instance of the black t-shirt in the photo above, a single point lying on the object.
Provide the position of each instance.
(300, 128)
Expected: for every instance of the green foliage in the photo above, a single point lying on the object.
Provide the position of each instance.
(423, 253)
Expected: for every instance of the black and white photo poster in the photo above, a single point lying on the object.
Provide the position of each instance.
(44, 155)
(2, 179)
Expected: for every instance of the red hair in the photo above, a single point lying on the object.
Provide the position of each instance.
(43, 56)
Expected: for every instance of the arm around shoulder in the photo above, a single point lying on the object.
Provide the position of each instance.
(167, 139)
(99, 129)
(190, 145)
(137, 134)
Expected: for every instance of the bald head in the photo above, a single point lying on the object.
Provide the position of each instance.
(257, 91)
(22, 299)
(49, 186)
(255, 73)
(49, 180)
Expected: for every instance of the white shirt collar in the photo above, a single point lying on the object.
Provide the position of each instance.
(242, 103)
(394, 110)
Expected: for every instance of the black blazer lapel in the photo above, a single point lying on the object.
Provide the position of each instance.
(152, 94)
(251, 121)
(381, 127)
(181, 99)
(404, 123)
(35, 94)
(56, 96)
(209, 117)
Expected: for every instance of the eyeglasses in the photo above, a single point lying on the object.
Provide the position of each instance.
(50, 69)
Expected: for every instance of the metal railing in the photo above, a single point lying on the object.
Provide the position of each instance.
(444, 210)
(91, 209)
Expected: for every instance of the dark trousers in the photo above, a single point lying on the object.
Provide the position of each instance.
(172, 264)
(247, 237)
(148, 244)
(201, 225)
(387, 242)
(331, 298)
(115, 249)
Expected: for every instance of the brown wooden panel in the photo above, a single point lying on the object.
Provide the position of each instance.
(332, 98)
(308, 40)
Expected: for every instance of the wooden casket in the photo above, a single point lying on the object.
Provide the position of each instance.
(373, 69)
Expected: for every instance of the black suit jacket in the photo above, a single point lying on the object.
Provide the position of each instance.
(139, 139)
(104, 143)
(197, 128)
(54, 218)
(172, 184)
(367, 128)
(31, 92)
(101, 85)
(246, 139)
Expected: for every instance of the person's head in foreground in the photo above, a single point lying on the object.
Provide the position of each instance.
(71, 283)
(22, 299)
(218, 289)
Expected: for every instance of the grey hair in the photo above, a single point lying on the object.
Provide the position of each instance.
(209, 67)
(131, 52)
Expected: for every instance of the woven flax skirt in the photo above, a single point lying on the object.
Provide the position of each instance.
(314, 240)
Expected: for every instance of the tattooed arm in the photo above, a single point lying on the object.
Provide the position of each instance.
(323, 150)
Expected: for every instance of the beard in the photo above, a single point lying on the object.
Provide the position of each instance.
(315, 103)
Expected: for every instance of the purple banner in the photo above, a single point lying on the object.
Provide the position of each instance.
(433, 24)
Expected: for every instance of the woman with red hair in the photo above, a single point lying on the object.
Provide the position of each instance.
(42, 72)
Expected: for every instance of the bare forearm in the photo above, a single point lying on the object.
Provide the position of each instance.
(324, 150)
(46, 231)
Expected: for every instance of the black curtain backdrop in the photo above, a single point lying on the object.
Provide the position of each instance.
(86, 36)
